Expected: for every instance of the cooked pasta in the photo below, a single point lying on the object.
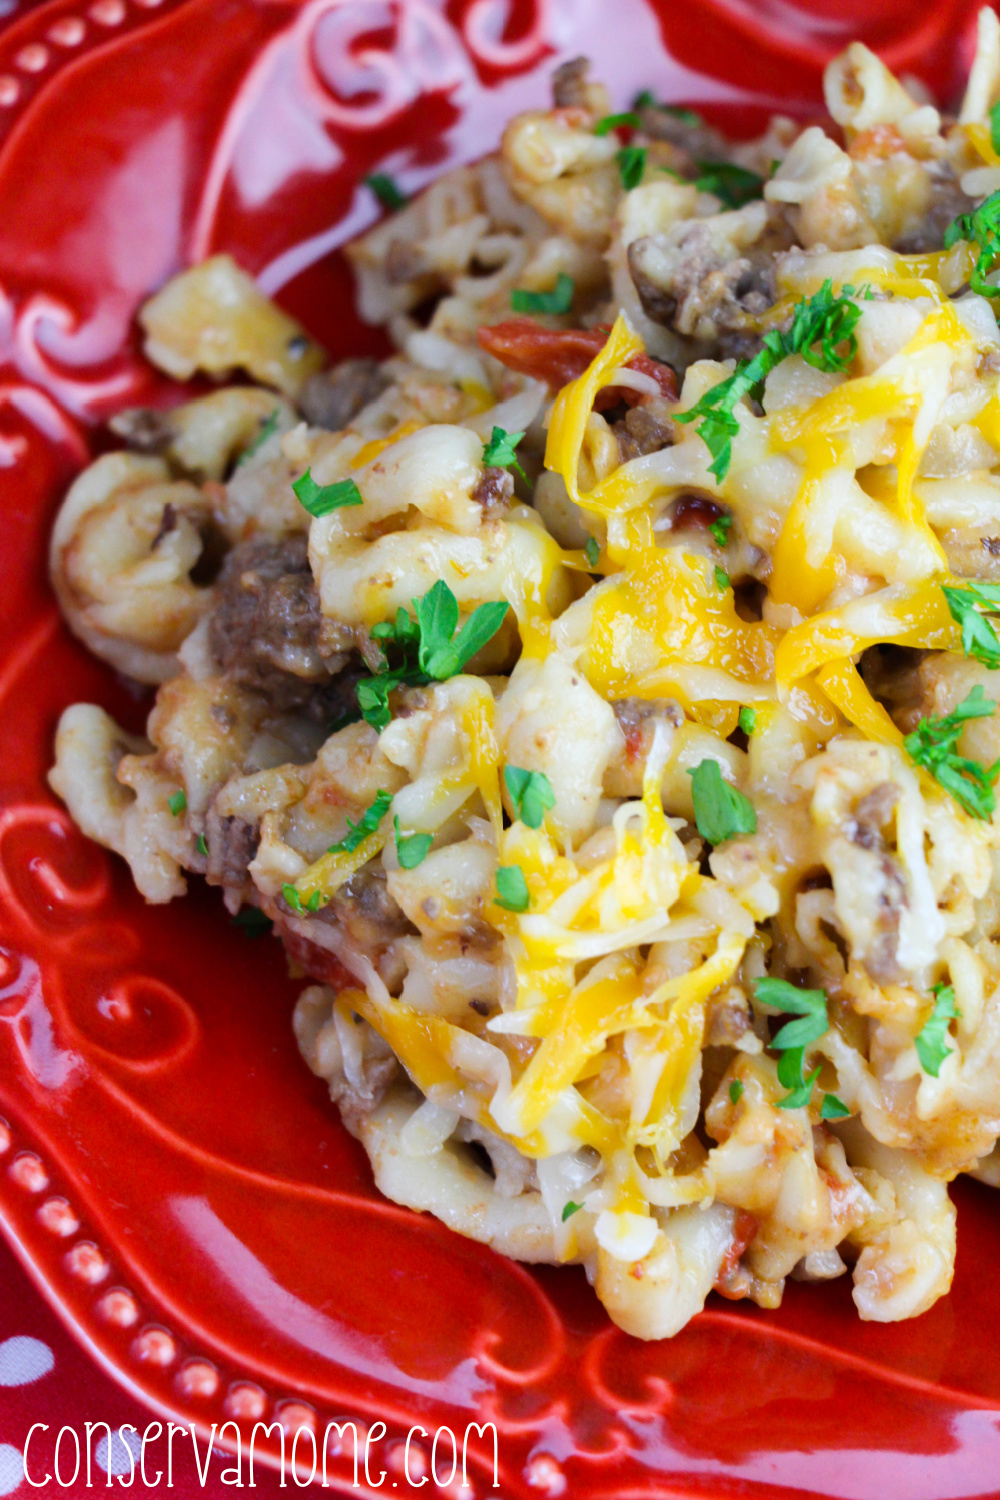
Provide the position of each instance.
(599, 695)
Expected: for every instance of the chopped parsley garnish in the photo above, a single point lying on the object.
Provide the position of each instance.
(558, 300)
(735, 1091)
(932, 745)
(302, 908)
(201, 845)
(615, 122)
(791, 1041)
(931, 1040)
(748, 719)
(824, 320)
(733, 185)
(267, 429)
(631, 165)
(720, 811)
(721, 579)
(411, 848)
(321, 499)
(979, 639)
(499, 451)
(430, 650)
(253, 922)
(386, 191)
(995, 126)
(982, 228)
(366, 825)
(592, 551)
(442, 653)
(569, 1209)
(790, 1075)
(531, 793)
(720, 529)
(512, 888)
(833, 1108)
(177, 803)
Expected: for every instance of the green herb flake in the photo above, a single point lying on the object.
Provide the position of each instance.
(411, 848)
(569, 1209)
(252, 922)
(366, 825)
(721, 579)
(982, 228)
(720, 529)
(512, 888)
(321, 499)
(931, 1040)
(429, 648)
(833, 1108)
(720, 811)
(201, 845)
(267, 430)
(499, 451)
(932, 745)
(748, 719)
(631, 166)
(531, 793)
(801, 1091)
(823, 320)
(373, 699)
(558, 300)
(177, 803)
(592, 552)
(300, 907)
(388, 193)
(735, 1091)
(616, 122)
(441, 653)
(731, 184)
(979, 639)
(810, 1006)
(995, 127)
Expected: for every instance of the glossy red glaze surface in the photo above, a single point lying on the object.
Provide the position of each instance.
(148, 1075)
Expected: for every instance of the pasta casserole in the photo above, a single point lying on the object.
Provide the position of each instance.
(598, 696)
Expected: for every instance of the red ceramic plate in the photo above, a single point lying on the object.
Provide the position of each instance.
(174, 1178)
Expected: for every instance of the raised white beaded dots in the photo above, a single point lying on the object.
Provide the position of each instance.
(27, 1171)
(58, 1218)
(197, 1378)
(119, 1307)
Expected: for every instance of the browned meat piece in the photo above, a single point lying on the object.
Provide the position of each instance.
(641, 431)
(333, 397)
(684, 128)
(871, 815)
(880, 960)
(366, 913)
(265, 628)
(946, 203)
(493, 491)
(232, 844)
(728, 1017)
(143, 430)
(569, 84)
(637, 718)
(892, 675)
(688, 287)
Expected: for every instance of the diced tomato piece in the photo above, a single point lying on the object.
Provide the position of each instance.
(559, 355)
(318, 962)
